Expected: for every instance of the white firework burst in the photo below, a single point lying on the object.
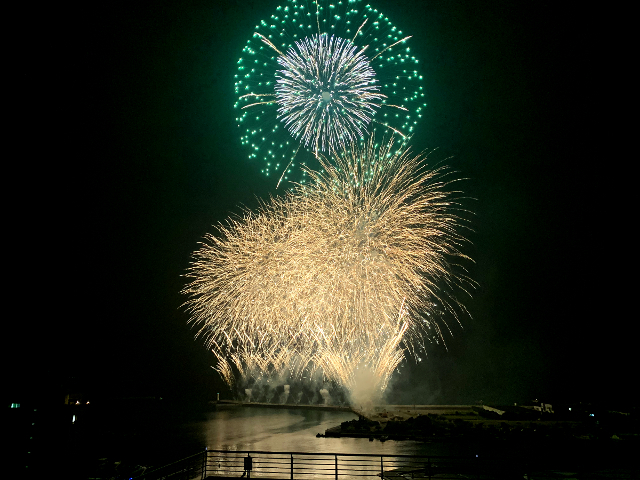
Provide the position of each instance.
(326, 92)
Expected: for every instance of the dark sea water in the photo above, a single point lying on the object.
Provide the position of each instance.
(157, 433)
(156, 436)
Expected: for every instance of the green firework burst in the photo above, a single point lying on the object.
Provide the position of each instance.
(331, 111)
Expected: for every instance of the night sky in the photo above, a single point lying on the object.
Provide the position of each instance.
(127, 153)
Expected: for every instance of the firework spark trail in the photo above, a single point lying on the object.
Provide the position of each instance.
(347, 272)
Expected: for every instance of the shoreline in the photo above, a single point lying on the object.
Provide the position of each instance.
(301, 406)
(449, 423)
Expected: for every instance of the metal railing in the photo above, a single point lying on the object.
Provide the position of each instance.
(211, 464)
(339, 466)
(189, 468)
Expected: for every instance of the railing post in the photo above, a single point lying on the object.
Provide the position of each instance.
(381, 467)
(292, 466)
(336, 467)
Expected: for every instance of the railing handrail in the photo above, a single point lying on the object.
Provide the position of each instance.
(401, 455)
(308, 465)
(167, 467)
(325, 465)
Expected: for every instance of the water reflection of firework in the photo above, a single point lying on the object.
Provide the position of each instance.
(342, 275)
